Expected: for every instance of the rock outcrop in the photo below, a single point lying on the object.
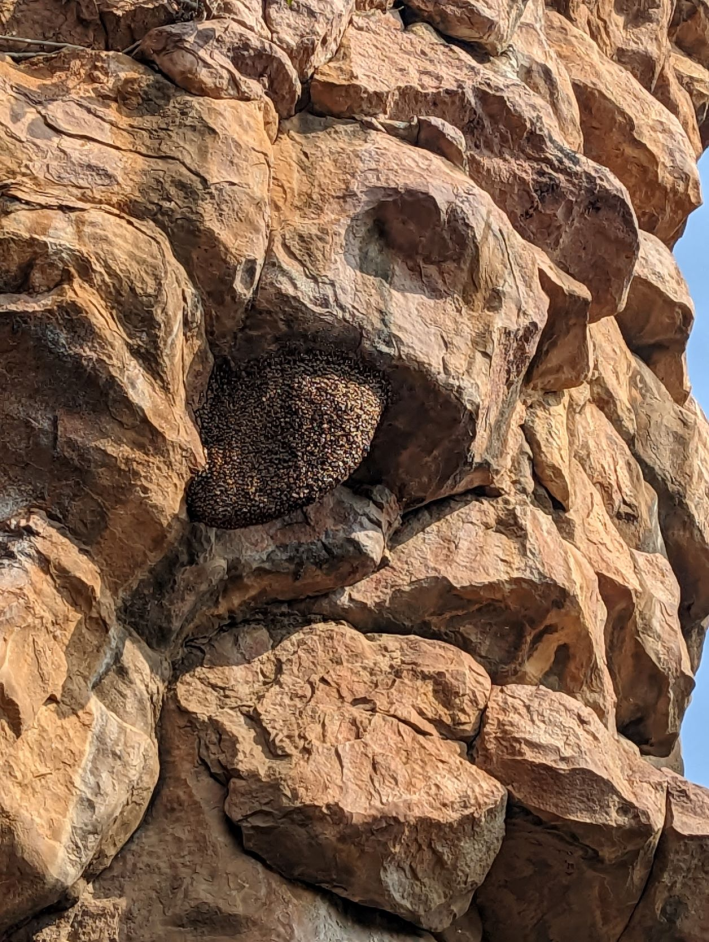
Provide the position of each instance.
(354, 505)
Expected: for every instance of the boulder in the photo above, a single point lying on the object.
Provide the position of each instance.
(346, 766)
(584, 818)
(221, 59)
(658, 316)
(671, 445)
(491, 23)
(674, 906)
(212, 575)
(136, 145)
(103, 344)
(185, 874)
(387, 251)
(494, 578)
(79, 701)
(694, 78)
(555, 198)
(690, 29)
(652, 157)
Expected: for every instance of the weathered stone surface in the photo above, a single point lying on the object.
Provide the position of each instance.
(344, 769)
(185, 876)
(672, 94)
(652, 157)
(541, 70)
(671, 445)
(494, 578)
(217, 574)
(634, 37)
(388, 250)
(674, 906)
(690, 29)
(101, 334)
(220, 59)
(79, 698)
(491, 23)
(99, 24)
(584, 819)
(309, 31)
(134, 144)
(694, 78)
(438, 258)
(658, 316)
(550, 194)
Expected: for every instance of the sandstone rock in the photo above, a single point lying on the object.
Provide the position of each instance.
(634, 37)
(564, 358)
(690, 29)
(220, 59)
(609, 465)
(695, 80)
(98, 24)
(491, 23)
(494, 578)
(671, 445)
(673, 95)
(387, 250)
(344, 768)
(103, 349)
(651, 157)
(541, 70)
(309, 31)
(550, 194)
(79, 699)
(658, 316)
(183, 163)
(675, 906)
(646, 652)
(185, 874)
(214, 575)
(583, 822)
(546, 431)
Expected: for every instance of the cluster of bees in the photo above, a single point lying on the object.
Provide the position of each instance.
(280, 431)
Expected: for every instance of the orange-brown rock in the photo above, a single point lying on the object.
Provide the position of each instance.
(343, 760)
(390, 250)
(652, 157)
(187, 856)
(79, 699)
(670, 443)
(674, 906)
(215, 574)
(181, 163)
(400, 273)
(658, 316)
(221, 59)
(584, 818)
(494, 578)
(102, 336)
(491, 23)
(694, 78)
(550, 193)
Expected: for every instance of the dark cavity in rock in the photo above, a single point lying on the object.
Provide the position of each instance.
(280, 431)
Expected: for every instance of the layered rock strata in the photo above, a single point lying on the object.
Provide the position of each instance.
(354, 505)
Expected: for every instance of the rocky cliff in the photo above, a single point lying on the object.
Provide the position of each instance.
(354, 554)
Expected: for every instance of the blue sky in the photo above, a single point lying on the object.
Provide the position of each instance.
(692, 252)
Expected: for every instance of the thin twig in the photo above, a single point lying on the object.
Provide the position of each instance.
(39, 42)
(129, 50)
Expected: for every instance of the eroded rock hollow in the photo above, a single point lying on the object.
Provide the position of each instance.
(354, 505)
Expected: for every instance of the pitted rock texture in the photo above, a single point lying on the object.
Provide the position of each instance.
(354, 505)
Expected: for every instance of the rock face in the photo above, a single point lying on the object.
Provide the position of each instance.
(354, 506)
